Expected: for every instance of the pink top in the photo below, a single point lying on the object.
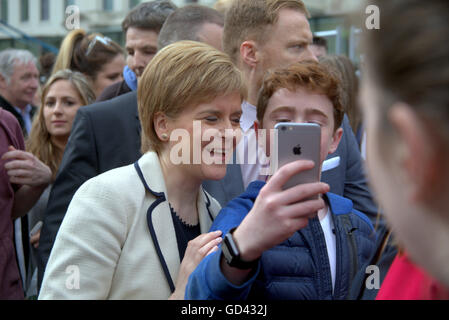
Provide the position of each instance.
(406, 281)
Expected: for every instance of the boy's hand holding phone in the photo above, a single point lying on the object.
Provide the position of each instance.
(278, 213)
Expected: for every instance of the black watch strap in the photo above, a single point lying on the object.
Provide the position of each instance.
(231, 254)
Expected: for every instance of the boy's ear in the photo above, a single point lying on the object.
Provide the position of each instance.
(421, 155)
(248, 53)
(336, 138)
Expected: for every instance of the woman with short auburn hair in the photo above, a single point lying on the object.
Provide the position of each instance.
(137, 232)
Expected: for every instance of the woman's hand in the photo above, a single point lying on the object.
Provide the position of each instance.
(23, 168)
(196, 250)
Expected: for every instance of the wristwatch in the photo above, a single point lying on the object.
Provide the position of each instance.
(232, 254)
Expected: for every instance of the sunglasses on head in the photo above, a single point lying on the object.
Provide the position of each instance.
(104, 40)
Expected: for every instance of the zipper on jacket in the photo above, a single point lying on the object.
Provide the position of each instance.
(353, 252)
(339, 264)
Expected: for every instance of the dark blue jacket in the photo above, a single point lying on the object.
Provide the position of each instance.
(297, 268)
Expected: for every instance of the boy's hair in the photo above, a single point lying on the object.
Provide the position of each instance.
(183, 75)
(148, 15)
(309, 75)
(251, 19)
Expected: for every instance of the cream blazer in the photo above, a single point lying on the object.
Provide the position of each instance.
(117, 237)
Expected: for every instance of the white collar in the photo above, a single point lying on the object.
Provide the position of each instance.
(249, 115)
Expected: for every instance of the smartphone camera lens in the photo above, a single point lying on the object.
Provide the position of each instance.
(283, 128)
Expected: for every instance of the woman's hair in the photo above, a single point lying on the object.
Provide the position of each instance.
(39, 142)
(183, 75)
(408, 59)
(309, 75)
(86, 53)
(343, 68)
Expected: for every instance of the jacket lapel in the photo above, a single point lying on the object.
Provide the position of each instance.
(165, 238)
(159, 218)
(207, 210)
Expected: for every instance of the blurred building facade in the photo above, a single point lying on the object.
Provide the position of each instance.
(50, 20)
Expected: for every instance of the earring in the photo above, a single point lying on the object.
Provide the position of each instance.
(164, 137)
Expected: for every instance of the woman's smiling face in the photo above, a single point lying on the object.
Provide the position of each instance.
(210, 144)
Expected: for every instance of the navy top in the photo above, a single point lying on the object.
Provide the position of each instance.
(184, 232)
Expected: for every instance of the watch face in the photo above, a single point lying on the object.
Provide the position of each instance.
(230, 244)
(228, 249)
(232, 254)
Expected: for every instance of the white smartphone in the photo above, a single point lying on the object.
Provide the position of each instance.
(299, 141)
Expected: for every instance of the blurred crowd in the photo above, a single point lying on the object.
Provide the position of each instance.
(93, 206)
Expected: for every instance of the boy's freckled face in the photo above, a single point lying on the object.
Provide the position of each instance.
(303, 106)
